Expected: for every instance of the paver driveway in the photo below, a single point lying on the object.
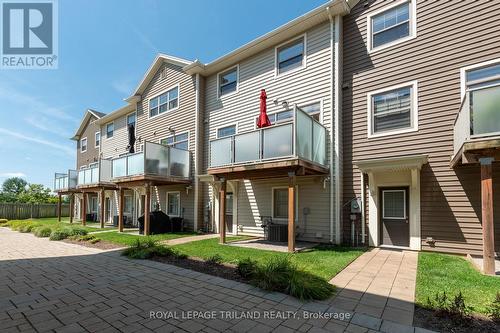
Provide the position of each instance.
(55, 286)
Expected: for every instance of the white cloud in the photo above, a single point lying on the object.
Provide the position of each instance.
(12, 174)
(24, 137)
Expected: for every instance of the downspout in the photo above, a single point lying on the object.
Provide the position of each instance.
(196, 154)
(363, 217)
(332, 95)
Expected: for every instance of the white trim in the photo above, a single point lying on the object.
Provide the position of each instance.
(106, 130)
(464, 70)
(83, 167)
(81, 145)
(304, 58)
(131, 206)
(178, 86)
(296, 202)
(178, 208)
(176, 134)
(336, 174)
(236, 125)
(412, 25)
(413, 112)
(196, 157)
(237, 66)
(95, 139)
(383, 205)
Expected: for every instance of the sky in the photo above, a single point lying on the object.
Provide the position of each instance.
(105, 47)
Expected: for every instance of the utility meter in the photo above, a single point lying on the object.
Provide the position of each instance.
(355, 206)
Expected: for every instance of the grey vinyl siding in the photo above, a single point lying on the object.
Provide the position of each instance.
(117, 144)
(308, 85)
(92, 153)
(180, 120)
(450, 35)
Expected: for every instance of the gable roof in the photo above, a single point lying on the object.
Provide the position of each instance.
(157, 62)
(124, 110)
(88, 114)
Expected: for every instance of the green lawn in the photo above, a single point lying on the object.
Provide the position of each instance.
(52, 222)
(323, 261)
(451, 274)
(129, 239)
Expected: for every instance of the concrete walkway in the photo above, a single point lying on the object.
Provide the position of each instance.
(380, 283)
(48, 286)
(184, 240)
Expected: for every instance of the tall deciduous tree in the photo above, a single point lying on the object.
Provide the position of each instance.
(14, 186)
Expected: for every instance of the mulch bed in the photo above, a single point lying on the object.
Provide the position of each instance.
(103, 245)
(222, 270)
(474, 324)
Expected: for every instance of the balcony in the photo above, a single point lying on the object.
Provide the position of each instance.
(476, 131)
(300, 142)
(156, 162)
(95, 175)
(65, 182)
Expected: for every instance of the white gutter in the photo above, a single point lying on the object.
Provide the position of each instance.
(332, 96)
(196, 153)
(363, 203)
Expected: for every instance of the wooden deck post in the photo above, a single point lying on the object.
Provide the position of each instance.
(59, 204)
(103, 195)
(120, 209)
(222, 211)
(71, 207)
(84, 209)
(487, 215)
(291, 212)
(147, 206)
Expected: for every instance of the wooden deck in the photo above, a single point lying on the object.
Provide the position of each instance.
(474, 149)
(140, 180)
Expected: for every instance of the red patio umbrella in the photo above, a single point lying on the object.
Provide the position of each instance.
(263, 120)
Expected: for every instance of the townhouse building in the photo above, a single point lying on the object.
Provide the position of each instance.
(383, 132)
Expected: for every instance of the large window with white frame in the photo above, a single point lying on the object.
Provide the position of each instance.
(392, 25)
(173, 203)
(180, 141)
(228, 81)
(393, 110)
(167, 101)
(97, 139)
(83, 145)
(312, 109)
(291, 56)
(226, 131)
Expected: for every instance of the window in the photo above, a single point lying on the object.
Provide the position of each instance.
(394, 204)
(131, 119)
(167, 101)
(392, 25)
(313, 109)
(97, 139)
(393, 110)
(226, 131)
(173, 203)
(83, 145)
(93, 204)
(110, 128)
(290, 56)
(128, 202)
(481, 75)
(280, 203)
(228, 81)
(177, 141)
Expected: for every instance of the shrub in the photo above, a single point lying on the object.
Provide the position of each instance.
(94, 240)
(494, 309)
(78, 231)
(16, 225)
(216, 259)
(246, 268)
(307, 286)
(453, 307)
(26, 227)
(42, 231)
(179, 255)
(3, 221)
(274, 275)
(60, 234)
(146, 249)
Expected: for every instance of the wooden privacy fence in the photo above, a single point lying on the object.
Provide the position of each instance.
(19, 211)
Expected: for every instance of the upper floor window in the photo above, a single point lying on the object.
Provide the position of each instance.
(228, 81)
(110, 129)
(131, 119)
(290, 56)
(313, 109)
(167, 101)
(226, 131)
(83, 145)
(392, 25)
(483, 75)
(97, 139)
(393, 110)
(180, 141)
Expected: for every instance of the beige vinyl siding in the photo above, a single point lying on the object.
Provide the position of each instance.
(159, 195)
(308, 85)
(181, 120)
(92, 153)
(116, 145)
(450, 35)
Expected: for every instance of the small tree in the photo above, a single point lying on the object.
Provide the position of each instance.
(14, 186)
(36, 193)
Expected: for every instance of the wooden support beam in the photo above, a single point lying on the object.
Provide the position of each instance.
(59, 205)
(71, 207)
(487, 215)
(121, 203)
(291, 212)
(222, 211)
(84, 209)
(147, 206)
(102, 207)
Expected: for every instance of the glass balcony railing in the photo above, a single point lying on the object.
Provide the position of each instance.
(65, 181)
(302, 137)
(97, 173)
(479, 115)
(155, 160)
